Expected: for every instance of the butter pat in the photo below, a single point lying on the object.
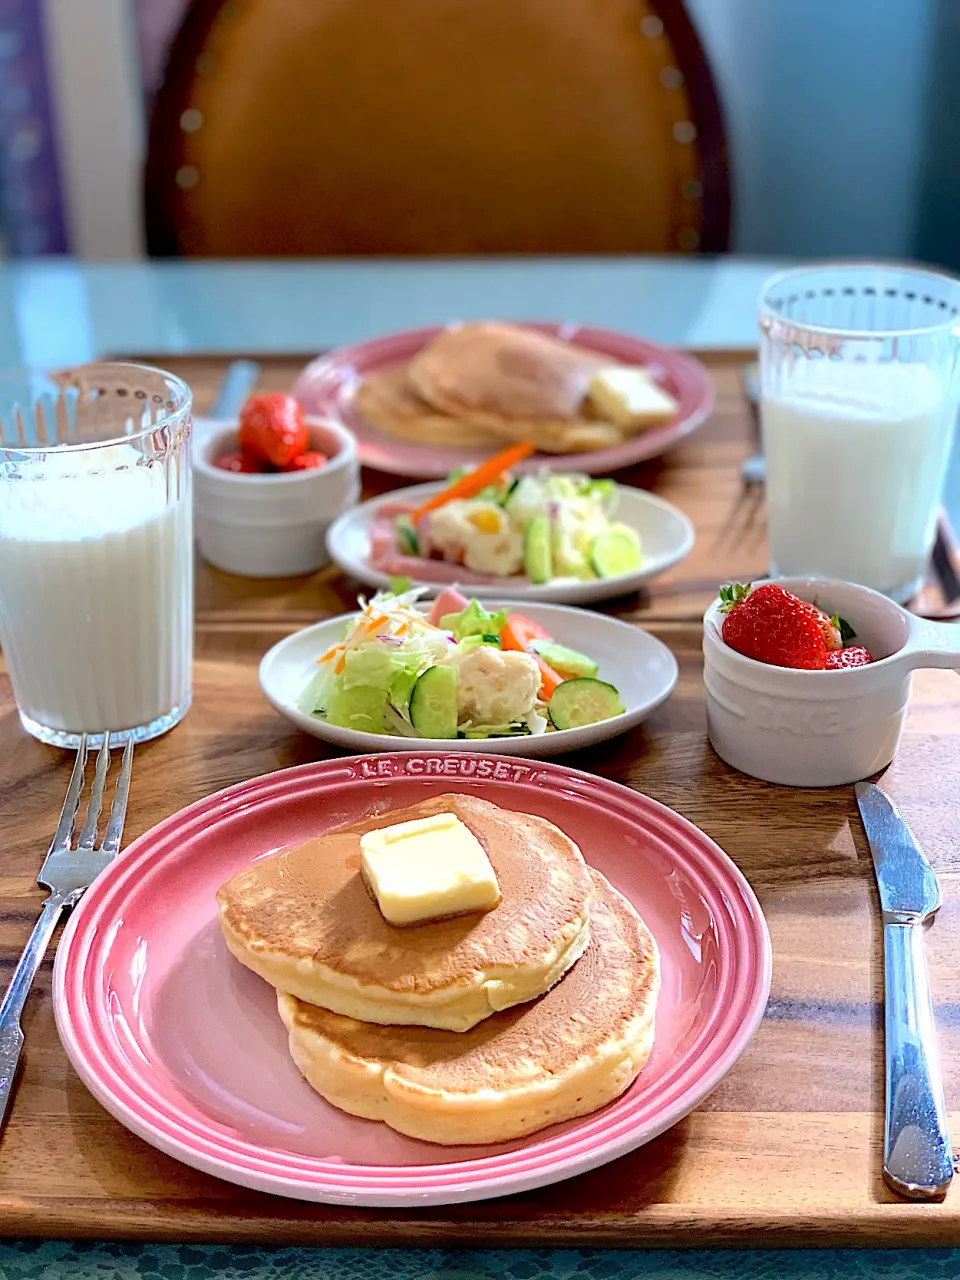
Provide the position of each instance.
(428, 869)
(629, 397)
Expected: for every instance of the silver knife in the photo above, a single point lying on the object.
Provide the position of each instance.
(917, 1161)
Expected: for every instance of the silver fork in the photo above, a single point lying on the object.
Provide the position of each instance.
(66, 872)
(753, 470)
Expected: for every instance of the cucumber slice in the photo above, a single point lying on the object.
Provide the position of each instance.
(407, 537)
(360, 707)
(500, 731)
(433, 703)
(537, 550)
(615, 553)
(583, 701)
(566, 662)
(473, 642)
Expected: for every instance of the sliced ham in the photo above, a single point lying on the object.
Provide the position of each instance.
(397, 565)
(392, 509)
(382, 542)
(387, 557)
(450, 600)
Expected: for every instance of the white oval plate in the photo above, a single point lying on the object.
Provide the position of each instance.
(639, 665)
(665, 532)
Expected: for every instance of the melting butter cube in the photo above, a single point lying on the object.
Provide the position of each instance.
(630, 398)
(428, 869)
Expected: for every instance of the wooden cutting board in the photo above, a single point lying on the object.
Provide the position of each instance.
(786, 1151)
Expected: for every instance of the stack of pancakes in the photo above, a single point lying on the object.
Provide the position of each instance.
(488, 384)
(477, 1029)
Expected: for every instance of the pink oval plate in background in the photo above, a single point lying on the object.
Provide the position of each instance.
(185, 1047)
(328, 387)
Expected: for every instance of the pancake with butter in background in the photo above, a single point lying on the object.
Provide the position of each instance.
(504, 371)
(490, 383)
(305, 921)
(390, 404)
(572, 1051)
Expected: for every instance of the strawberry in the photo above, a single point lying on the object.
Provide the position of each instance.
(829, 629)
(855, 656)
(272, 430)
(312, 460)
(238, 463)
(771, 625)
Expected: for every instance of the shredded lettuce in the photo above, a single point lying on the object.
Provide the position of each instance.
(313, 699)
(375, 666)
(394, 722)
(473, 621)
(401, 687)
(361, 707)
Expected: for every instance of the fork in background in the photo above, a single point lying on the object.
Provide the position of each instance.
(67, 871)
(753, 470)
(743, 523)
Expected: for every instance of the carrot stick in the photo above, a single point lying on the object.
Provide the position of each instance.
(474, 482)
(549, 680)
(330, 653)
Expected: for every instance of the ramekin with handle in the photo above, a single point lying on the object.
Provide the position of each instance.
(821, 728)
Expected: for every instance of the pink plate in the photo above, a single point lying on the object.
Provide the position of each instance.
(185, 1047)
(328, 388)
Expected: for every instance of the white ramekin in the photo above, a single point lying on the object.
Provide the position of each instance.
(271, 526)
(821, 728)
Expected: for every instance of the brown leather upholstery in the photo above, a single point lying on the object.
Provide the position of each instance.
(319, 127)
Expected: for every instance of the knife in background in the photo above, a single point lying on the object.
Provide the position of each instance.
(917, 1161)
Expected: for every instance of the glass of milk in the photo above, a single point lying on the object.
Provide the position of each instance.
(96, 550)
(860, 373)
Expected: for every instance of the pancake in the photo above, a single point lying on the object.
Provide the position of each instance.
(388, 402)
(568, 1053)
(304, 920)
(504, 371)
(551, 435)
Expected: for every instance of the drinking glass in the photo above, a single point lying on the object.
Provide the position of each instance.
(860, 379)
(96, 550)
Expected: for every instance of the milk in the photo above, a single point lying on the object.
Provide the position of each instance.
(96, 590)
(856, 456)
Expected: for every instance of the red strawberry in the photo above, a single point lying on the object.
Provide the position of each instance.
(855, 656)
(272, 430)
(237, 462)
(829, 629)
(771, 625)
(312, 460)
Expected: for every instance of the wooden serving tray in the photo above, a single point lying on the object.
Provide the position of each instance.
(785, 1152)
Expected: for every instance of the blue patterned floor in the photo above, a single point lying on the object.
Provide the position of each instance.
(32, 1260)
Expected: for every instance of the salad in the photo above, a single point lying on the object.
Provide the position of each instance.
(457, 672)
(487, 524)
